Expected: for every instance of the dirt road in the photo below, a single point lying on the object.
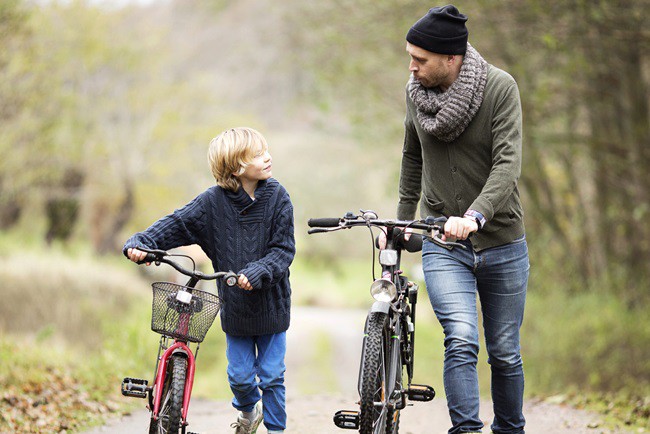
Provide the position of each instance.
(319, 342)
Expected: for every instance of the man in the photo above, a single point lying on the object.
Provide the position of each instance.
(462, 154)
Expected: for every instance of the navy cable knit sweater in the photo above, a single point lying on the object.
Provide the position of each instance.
(252, 237)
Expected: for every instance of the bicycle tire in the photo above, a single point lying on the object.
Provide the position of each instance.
(373, 376)
(392, 421)
(171, 405)
(396, 376)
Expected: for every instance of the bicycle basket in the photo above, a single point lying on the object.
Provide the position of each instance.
(187, 320)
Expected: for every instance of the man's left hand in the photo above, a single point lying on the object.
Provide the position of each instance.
(460, 227)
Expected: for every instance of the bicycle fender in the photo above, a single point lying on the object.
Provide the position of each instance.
(380, 306)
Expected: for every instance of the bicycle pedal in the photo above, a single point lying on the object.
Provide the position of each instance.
(346, 419)
(421, 392)
(135, 387)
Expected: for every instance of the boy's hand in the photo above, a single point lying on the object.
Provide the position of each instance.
(243, 283)
(136, 255)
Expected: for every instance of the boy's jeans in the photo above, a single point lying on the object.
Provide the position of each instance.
(254, 363)
(499, 275)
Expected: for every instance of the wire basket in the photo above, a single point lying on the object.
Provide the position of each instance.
(187, 317)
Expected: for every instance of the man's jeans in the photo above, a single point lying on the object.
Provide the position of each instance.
(499, 275)
(253, 358)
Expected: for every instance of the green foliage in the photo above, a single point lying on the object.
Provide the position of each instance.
(80, 320)
(621, 408)
(41, 394)
(587, 342)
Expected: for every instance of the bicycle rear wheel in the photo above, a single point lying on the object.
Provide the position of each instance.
(374, 417)
(171, 404)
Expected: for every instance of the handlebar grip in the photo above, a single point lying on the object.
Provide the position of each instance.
(231, 279)
(327, 222)
(414, 243)
(151, 257)
(440, 221)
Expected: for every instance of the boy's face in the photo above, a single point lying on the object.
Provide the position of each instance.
(259, 168)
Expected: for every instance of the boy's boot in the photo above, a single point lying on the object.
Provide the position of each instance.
(249, 426)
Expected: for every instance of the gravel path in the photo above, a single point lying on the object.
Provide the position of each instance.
(314, 398)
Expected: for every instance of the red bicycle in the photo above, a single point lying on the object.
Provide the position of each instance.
(181, 314)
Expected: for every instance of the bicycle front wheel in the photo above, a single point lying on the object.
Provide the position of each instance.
(374, 418)
(171, 404)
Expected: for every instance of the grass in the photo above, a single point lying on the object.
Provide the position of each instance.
(80, 329)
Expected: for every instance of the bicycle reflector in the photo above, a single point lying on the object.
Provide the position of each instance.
(383, 290)
(184, 297)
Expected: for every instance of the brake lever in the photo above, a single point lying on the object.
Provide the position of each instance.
(322, 230)
(449, 245)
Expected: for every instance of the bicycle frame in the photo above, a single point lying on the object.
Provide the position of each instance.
(402, 308)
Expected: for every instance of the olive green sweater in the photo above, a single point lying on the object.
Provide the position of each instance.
(479, 170)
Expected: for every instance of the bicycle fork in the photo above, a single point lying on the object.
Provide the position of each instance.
(140, 388)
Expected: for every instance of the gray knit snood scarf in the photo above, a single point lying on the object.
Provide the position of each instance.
(447, 114)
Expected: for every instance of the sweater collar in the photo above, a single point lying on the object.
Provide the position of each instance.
(243, 201)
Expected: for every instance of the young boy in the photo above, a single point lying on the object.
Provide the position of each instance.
(244, 224)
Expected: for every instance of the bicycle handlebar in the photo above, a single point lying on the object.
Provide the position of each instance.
(157, 256)
(369, 218)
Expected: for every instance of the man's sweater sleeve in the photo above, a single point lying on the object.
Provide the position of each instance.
(279, 255)
(183, 227)
(506, 154)
(410, 178)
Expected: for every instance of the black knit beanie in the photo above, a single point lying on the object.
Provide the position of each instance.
(442, 30)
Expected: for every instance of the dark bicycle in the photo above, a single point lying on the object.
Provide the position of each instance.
(389, 338)
(183, 314)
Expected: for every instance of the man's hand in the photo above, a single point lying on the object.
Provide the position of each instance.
(243, 283)
(459, 228)
(382, 237)
(136, 255)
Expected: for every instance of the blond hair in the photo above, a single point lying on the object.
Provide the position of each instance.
(231, 152)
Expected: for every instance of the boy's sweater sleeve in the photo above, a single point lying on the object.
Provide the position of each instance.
(273, 266)
(183, 227)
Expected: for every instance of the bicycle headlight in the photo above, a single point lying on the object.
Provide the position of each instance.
(383, 290)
